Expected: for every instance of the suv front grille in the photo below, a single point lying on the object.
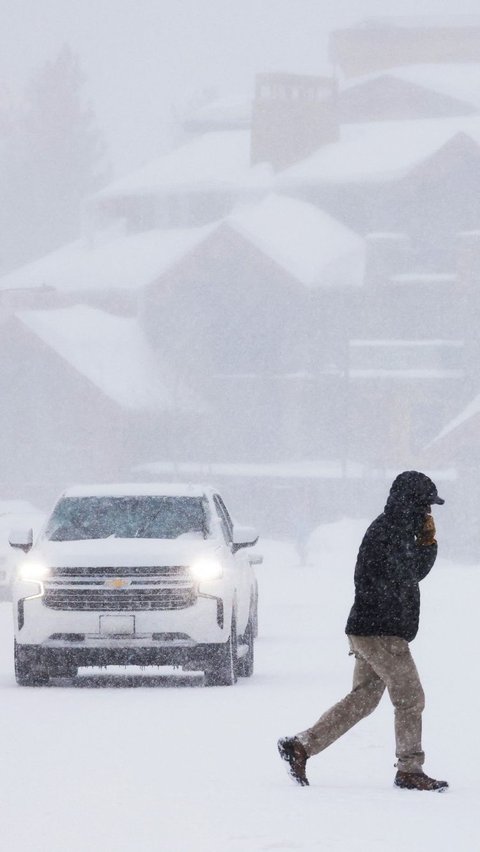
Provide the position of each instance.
(114, 600)
(177, 572)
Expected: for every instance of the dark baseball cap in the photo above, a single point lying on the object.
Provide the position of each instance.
(416, 486)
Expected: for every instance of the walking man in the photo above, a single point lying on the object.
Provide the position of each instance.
(397, 551)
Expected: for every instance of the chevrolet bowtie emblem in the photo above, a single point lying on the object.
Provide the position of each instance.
(118, 583)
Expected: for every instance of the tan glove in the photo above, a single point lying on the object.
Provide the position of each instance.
(427, 534)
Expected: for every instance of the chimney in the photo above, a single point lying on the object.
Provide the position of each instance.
(293, 115)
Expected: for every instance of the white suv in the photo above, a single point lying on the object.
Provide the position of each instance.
(135, 575)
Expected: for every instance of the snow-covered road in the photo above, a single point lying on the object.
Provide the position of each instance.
(157, 767)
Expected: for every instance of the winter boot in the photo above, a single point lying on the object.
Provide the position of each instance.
(418, 781)
(292, 751)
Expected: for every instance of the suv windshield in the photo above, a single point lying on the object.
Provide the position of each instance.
(76, 518)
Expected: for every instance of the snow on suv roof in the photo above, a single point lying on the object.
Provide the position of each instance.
(139, 489)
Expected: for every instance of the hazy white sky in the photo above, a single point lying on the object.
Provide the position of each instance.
(142, 56)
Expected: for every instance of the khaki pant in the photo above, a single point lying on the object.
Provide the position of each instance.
(380, 661)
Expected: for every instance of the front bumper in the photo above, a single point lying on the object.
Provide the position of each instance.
(164, 633)
(190, 656)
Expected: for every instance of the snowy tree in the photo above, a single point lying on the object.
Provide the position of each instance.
(52, 159)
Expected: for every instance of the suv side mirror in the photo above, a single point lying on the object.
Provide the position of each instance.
(255, 558)
(243, 537)
(22, 539)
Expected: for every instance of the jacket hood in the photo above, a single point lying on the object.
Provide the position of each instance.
(412, 491)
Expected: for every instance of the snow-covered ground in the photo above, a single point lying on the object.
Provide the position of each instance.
(192, 768)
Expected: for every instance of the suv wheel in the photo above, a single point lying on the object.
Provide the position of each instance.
(255, 612)
(245, 663)
(28, 671)
(223, 669)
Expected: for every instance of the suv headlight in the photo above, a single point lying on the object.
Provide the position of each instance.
(33, 571)
(207, 569)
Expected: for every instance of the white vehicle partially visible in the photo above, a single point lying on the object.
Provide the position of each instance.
(154, 574)
(13, 513)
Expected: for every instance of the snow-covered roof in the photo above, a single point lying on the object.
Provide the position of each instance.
(125, 262)
(234, 111)
(217, 161)
(457, 80)
(112, 353)
(310, 469)
(312, 246)
(308, 243)
(138, 489)
(378, 151)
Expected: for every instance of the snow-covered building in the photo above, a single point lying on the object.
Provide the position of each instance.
(386, 42)
(250, 316)
(197, 183)
(420, 178)
(109, 271)
(411, 92)
(307, 285)
(86, 394)
(247, 350)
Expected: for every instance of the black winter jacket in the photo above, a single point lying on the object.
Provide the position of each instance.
(389, 567)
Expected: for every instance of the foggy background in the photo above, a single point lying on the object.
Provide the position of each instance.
(146, 59)
(146, 335)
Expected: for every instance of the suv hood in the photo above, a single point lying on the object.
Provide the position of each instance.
(123, 552)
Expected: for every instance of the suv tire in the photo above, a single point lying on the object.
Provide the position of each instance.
(255, 611)
(245, 664)
(62, 667)
(223, 671)
(28, 672)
